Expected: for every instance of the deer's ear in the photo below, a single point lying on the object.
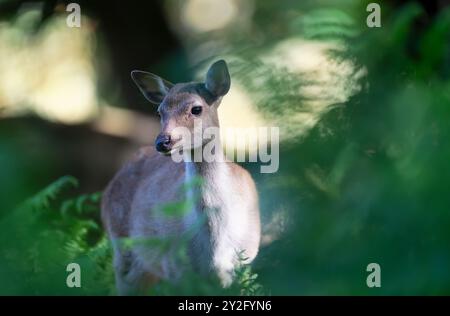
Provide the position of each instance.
(152, 87)
(218, 79)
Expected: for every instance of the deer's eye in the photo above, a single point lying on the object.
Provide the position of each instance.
(196, 110)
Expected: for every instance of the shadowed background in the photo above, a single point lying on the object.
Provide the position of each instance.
(363, 116)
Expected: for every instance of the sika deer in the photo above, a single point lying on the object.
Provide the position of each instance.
(227, 197)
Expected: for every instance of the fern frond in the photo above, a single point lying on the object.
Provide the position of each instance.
(42, 199)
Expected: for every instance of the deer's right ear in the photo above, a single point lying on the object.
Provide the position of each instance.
(153, 88)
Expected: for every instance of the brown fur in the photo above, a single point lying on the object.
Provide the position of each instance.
(227, 197)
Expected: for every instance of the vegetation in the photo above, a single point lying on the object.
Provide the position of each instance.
(367, 183)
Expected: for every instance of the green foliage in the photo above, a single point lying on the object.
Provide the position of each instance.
(369, 183)
(57, 230)
(326, 24)
(51, 232)
(42, 199)
(246, 281)
(372, 188)
(245, 284)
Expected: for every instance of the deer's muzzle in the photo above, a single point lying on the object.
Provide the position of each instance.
(163, 143)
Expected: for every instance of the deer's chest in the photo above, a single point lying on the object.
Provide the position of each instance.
(219, 239)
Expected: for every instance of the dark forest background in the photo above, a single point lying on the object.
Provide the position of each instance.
(364, 149)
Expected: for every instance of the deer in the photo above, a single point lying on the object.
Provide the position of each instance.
(222, 225)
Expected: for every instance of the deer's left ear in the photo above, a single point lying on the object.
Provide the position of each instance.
(218, 79)
(153, 88)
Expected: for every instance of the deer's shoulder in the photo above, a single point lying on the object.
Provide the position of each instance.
(145, 165)
(243, 177)
(150, 165)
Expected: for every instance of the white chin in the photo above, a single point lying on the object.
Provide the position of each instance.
(175, 150)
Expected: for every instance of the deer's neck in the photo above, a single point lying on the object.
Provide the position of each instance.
(205, 182)
(206, 186)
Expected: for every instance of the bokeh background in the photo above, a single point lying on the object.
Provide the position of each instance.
(363, 113)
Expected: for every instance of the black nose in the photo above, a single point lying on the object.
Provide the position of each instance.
(162, 143)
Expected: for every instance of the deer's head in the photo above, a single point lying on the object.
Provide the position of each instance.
(184, 104)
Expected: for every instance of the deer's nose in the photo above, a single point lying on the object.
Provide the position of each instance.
(162, 143)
